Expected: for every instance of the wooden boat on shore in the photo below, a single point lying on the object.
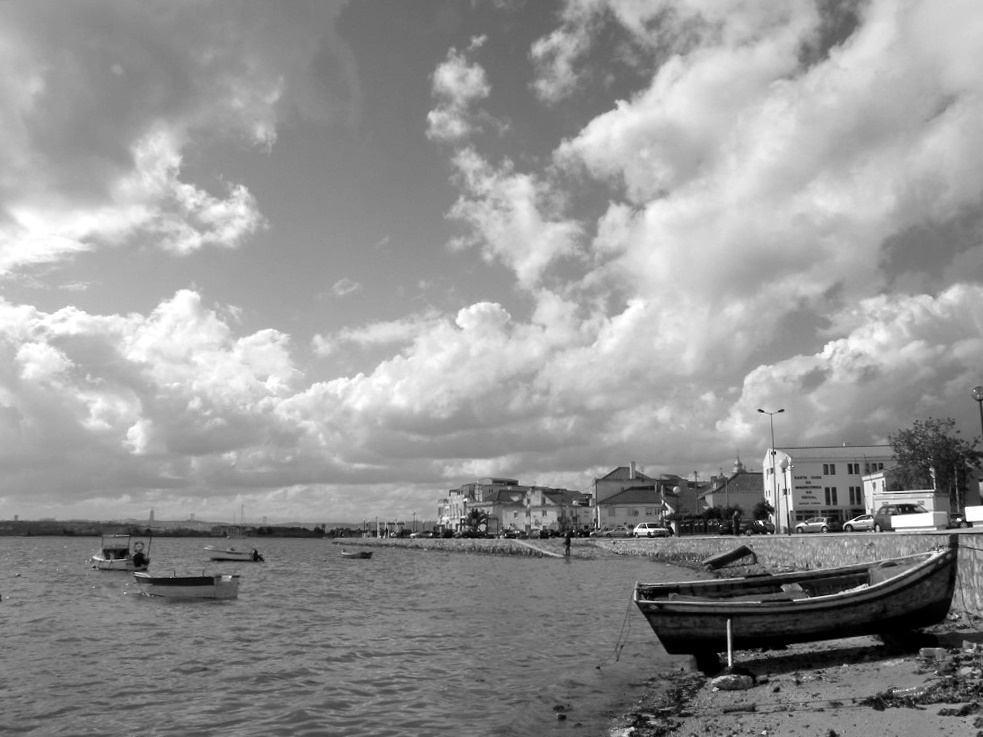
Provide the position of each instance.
(121, 553)
(216, 586)
(886, 597)
(357, 554)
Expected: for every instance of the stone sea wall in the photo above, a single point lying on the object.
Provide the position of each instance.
(773, 552)
(799, 552)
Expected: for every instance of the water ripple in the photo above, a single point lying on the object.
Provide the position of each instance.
(407, 643)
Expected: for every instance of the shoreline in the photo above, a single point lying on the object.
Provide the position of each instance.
(931, 684)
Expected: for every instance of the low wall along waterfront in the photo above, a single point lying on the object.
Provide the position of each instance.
(773, 552)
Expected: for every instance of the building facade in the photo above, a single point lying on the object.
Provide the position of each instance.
(509, 505)
(741, 490)
(642, 503)
(821, 481)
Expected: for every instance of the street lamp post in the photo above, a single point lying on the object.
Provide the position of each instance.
(978, 396)
(787, 469)
(774, 479)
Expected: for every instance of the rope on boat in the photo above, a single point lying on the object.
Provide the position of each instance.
(619, 645)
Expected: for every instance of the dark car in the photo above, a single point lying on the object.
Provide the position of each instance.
(748, 527)
(758, 527)
(957, 521)
(882, 517)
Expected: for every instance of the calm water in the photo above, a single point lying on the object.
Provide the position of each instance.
(409, 643)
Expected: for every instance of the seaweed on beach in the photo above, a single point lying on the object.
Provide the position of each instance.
(960, 687)
(659, 713)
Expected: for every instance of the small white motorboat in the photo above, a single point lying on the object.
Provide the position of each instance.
(233, 553)
(213, 586)
(121, 553)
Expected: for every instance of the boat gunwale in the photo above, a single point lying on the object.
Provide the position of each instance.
(918, 596)
(928, 566)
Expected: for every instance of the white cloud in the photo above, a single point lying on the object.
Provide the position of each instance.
(93, 136)
(790, 219)
(457, 85)
(346, 286)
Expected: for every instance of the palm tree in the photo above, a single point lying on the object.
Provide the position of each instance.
(476, 520)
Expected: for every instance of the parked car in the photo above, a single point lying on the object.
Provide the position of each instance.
(818, 524)
(651, 529)
(957, 520)
(748, 527)
(421, 533)
(758, 527)
(882, 517)
(612, 532)
(860, 523)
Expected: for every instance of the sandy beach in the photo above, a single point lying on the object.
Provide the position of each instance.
(838, 688)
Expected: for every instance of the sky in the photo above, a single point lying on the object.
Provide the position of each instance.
(326, 260)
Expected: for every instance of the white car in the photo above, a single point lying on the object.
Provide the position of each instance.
(651, 529)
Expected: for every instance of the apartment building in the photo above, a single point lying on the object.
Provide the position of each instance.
(820, 481)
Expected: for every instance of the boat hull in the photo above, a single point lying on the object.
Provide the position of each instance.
(220, 586)
(233, 554)
(360, 555)
(767, 611)
(121, 553)
(117, 564)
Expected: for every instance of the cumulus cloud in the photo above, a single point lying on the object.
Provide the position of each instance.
(94, 132)
(457, 85)
(790, 216)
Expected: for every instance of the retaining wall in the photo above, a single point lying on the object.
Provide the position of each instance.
(800, 552)
(773, 552)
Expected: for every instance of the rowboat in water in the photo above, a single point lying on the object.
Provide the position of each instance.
(121, 553)
(361, 554)
(217, 586)
(886, 597)
(234, 553)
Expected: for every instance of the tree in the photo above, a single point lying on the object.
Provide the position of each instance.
(763, 510)
(933, 447)
(476, 520)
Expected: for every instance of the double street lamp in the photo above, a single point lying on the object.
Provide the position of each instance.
(774, 479)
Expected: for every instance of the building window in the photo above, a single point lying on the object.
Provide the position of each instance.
(856, 496)
(853, 468)
(649, 511)
(829, 469)
(831, 496)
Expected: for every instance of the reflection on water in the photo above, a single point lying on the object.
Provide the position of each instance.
(408, 643)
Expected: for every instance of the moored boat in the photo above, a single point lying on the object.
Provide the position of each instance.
(121, 553)
(362, 554)
(233, 553)
(885, 597)
(212, 586)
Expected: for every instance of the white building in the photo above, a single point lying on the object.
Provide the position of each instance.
(820, 481)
